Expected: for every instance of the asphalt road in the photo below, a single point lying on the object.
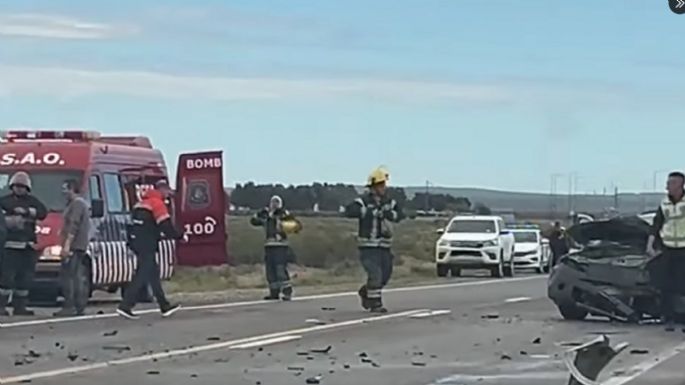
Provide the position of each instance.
(466, 331)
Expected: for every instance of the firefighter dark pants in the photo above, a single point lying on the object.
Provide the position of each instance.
(74, 288)
(377, 262)
(674, 281)
(276, 260)
(147, 273)
(18, 268)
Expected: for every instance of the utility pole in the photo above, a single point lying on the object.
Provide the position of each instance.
(616, 198)
(426, 200)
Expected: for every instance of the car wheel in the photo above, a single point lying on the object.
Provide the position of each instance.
(498, 271)
(541, 267)
(442, 270)
(572, 312)
(509, 271)
(455, 271)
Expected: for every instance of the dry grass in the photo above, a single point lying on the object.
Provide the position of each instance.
(326, 256)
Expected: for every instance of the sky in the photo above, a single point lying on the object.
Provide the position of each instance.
(500, 94)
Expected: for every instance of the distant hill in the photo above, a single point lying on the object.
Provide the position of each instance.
(542, 204)
(537, 203)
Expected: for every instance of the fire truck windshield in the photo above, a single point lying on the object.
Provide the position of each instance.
(47, 186)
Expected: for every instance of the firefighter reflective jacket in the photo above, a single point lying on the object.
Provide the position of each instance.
(673, 230)
(21, 214)
(375, 219)
(271, 221)
(149, 219)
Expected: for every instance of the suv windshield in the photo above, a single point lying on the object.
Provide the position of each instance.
(47, 186)
(475, 226)
(525, 236)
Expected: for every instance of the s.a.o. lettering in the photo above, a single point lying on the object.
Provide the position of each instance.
(31, 159)
(200, 163)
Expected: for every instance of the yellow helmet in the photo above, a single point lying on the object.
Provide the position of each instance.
(291, 226)
(379, 175)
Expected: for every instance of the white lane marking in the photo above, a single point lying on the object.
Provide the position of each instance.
(432, 313)
(201, 348)
(269, 341)
(637, 370)
(262, 302)
(517, 299)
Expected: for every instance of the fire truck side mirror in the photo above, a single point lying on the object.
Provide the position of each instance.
(97, 208)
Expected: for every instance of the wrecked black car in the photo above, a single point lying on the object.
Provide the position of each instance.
(611, 275)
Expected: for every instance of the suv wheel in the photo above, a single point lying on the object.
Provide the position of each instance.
(442, 270)
(498, 271)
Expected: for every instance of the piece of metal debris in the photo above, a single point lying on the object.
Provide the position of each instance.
(325, 350)
(295, 368)
(314, 380)
(214, 338)
(590, 358)
(117, 348)
(153, 372)
(302, 353)
(537, 341)
(505, 357)
(363, 354)
(523, 353)
(416, 363)
(346, 366)
(328, 308)
(33, 354)
(72, 356)
(314, 321)
(639, 351)
(490, 316)
(110, 334)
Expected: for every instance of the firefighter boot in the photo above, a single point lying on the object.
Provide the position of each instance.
(365, 300)
(20, 307)
(4, 299)
(287, 293)
(273, 295)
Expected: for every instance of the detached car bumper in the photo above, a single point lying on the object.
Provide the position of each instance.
(465, 256)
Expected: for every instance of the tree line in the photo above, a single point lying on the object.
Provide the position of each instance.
(330, 197)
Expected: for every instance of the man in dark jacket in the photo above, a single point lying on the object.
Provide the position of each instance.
(22, 211)
(149, 219)
(558, 243)
(276, 221)
(375, 212)
(74, 239)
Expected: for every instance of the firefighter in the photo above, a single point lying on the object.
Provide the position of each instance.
(278, 223)
(668, 234)
(149, 219)
(22, 211)
(375, 212)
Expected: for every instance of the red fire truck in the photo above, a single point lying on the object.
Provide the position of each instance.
(114, 171)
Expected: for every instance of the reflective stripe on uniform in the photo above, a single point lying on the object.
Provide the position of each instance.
(378, 242)
(5, 292)
(16, 245)
(673, 231)
(21, 293)
(373, 293)
(271, 242)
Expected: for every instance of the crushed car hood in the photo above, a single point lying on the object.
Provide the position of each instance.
(628, 231)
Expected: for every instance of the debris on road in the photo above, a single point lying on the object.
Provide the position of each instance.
(72, 356)
(328, 308)
(537, 341)
(523, 353)
(590, 358)
(325, 350)
(153, 372)
(33, 354)
(117, 348)
(363, 354)
(505, 356)
(302, 353)
(639, 351)
(490, 316)
(314, 321)
(110, 334)
(417, 363)
(314, 380)
(296, 368)
(214, 338)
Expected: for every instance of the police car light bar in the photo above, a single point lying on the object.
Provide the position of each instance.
(11, 135)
